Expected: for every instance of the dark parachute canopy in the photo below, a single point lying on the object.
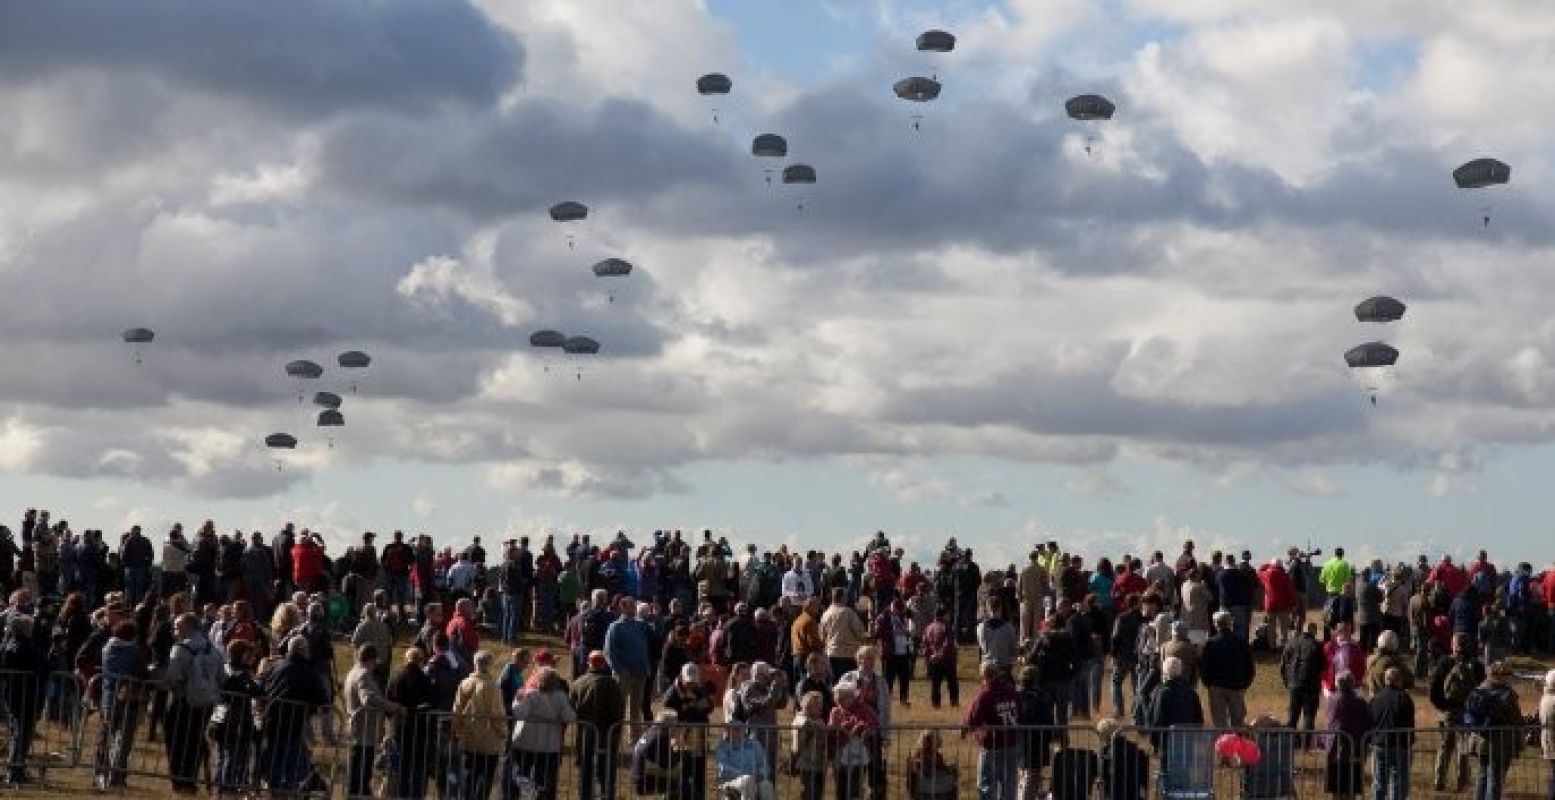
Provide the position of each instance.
(580, 345)
(1480, 173)
(1379, 309)
(304, 369)
(917, 89)
(608, 268)
(547, 338)
(354, 359)
(936, 41)
(1371, 354)
(281, 441)
(326, 399)
(769, 145)
(1088, 107)
(139, 336)
(569, 211)
(714, 83)
(330, 418)
(799, 173)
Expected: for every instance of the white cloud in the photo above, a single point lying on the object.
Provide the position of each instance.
(1095, 483)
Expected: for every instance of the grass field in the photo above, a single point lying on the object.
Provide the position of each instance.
(1266, 696)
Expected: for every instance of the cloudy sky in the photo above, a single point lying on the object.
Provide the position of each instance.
(974, 327)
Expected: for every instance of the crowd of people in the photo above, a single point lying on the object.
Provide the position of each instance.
(227, 644)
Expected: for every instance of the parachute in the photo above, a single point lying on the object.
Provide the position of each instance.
(354, 359)
(936, 41)
(612, 268)
(570, 211)
(1372, 357)
(547, 338)
(278, 442)
(1090, 109)
(769, 145)
(580, 346)
(138, 337)
(326, 399)
(714, 84)
(1482, 173)
(330, 418)
(306, 370)
(1087, 107)
(1379, 309)
(917, 89)
(799, 174)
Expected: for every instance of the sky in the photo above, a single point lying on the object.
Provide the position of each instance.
(972, 327)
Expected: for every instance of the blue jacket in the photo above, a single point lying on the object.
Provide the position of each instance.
(1465, 613)
(626, 647)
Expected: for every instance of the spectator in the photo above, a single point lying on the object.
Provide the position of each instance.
(742, 766)
(810, 745)
(1336, 573)
(1453, 677)
(1236, 584)
(1279, 601)
(232, 725)
(480, 727)
(1035, 714)
(1196, 602)
(125, 668)
(692, 702)
(1125, 768)
(893, 637)
(193, 682)
(293, 691)
(759, 701)
(939, 657)
(1342, 655)
(1227, 673)
(928, 776)
(1349, 719)
(816, 680)
(365, 709)
(997, 641)
(1033, 589)
(626, 648)
(1392, 709)
(374, 631)
(1495, 721)
(857, 730)
(843, 632)
(1182, 648)
(543, 717)
(26, 676)
(416, 729)
(1176, 703)
(804, 638)
(1547, 730)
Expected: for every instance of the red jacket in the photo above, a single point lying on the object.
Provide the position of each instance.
(908, 585)
(1448, 575)
(1279, 591)
(1547, 589)
(1356, 663)
(462, 633)
(1128, 582)
(307, 563)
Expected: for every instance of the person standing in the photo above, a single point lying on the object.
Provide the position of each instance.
(1453, 678)
(1392, 710)
(1494, 717)
(626, 649)
(1033, 588)
(27, 672)
(598, 697)
(1236, 584)
(480, 726)
(193, 682)
(939, 657)
(1227, 671)
(365, 709)
(1302, 665)
(804, 640)
(994, 711)
(893, 637)
(843, 632)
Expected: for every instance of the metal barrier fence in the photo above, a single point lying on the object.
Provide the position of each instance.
(249, 744)
(241, 744)
(40, 724)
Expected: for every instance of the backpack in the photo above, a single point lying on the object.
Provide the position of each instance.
(202, 686)
(595, 624)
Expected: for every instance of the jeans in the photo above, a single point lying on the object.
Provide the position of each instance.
(1491, 778)
(399, 591)
(1082, 684)
(512, 623)
(232, 761)
(1390, 773)
(997, 771)
(116, 739)
(22, 730)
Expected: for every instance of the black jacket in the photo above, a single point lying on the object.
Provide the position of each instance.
(1301, 663)
(1227, 663)
(1392, 709)
(1175, 703)
(291, 687)
(598, 700)
(1125, 638)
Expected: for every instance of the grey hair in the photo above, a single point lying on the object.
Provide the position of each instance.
(483, 660)
(1172, 668)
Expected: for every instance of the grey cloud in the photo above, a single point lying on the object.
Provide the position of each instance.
(312, 56)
